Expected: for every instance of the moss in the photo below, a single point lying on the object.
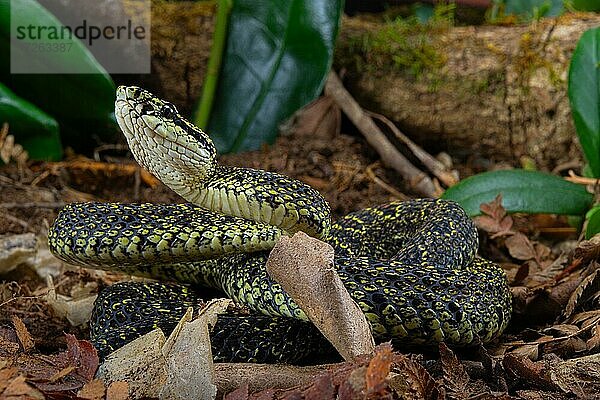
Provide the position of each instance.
(408, 44)
(531, 57)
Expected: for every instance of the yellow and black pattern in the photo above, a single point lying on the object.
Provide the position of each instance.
(183, 157)
(106, 235)
(410, 266)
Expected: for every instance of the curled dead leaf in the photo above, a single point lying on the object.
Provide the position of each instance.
(23, 334)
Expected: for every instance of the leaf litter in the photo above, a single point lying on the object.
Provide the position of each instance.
(550, 349)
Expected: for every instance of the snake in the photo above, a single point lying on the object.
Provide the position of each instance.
(411, 266)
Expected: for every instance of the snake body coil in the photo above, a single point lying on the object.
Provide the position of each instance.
(410, 266)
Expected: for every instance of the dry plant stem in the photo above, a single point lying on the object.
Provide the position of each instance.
(448, 178)
(582, 180)
(304, 268)
(230, 376)
(388, 153)
(371, 174)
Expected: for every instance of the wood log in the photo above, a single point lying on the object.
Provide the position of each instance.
(181, 39)
(495, 93)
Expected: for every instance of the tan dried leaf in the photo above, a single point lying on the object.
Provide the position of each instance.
(456, 380)
(62, 373)
(23, 334)
(118, 390)
(494, 219)
(93, 390)
(589, 287)
(18, 388)
(588, 249)
(593, 343)
(520, 247)
(524, 368)
(412, 381)
(379, 368)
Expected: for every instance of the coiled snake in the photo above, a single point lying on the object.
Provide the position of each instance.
(410, 266)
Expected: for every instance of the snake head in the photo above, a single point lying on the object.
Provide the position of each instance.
(162, 141)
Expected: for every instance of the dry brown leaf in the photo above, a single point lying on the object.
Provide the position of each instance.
(579, 376)
(18, 388)
(241, 393)
(594, 342)
(589, 287)
(379, 368)
(61, 374)
(413, 382)
(529, 350)
(524, 368)
(494, 219)
(23, 334)
(586, 318)
(93, 390)
(567, 347)
(456, 379)
(522, 274)
(587, 250)
(302, 265)
(65, 371)
(520, 247)
(118, 390)
(322, 388)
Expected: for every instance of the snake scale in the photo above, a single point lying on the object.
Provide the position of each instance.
(410, 266)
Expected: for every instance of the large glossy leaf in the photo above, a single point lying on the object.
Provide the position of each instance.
(522, 191)
(33, 129)
(584, 94)
(82, 103)
(277, 57)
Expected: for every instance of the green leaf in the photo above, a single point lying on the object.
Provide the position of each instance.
(522, 191)
(593, 222)
(277, 59)
(534, 9)
(584, 94)
(82, 103)
(423, 12)
(32, 128)
(586, 5)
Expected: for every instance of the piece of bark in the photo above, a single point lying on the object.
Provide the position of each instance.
(304, 267)
(230, 376)
(497, 92)
(182, 34)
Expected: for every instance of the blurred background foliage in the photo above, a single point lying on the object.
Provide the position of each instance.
(269, 59)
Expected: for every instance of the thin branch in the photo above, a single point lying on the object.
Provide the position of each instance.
(448, 178)
(390, 156)
(371, 174)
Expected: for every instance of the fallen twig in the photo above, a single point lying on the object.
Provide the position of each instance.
(448, 178)
(371, 175)
(388, 153)
(230, 376)
(581, 180)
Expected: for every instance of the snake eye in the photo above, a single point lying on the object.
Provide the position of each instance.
(168, 111)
